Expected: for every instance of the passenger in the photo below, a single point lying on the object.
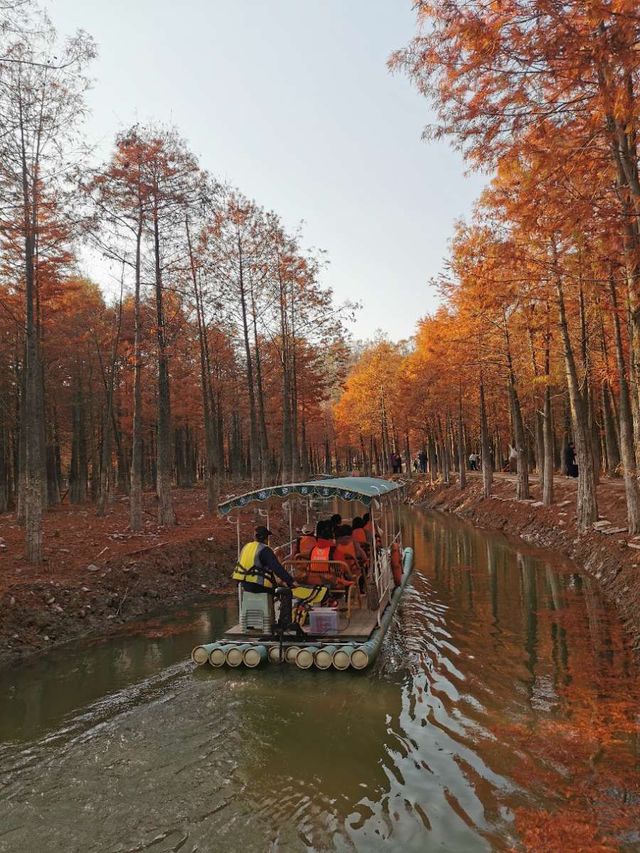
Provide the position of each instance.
(358, 533)
(304, 544)
(321, 527)
(258, 569)
(349, 551)
(320, 570)
(325, 541)
(369, 529)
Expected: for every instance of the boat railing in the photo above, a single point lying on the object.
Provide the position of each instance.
(383, 577)
(280, 548)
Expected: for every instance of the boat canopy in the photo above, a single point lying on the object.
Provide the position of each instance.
(360, 489)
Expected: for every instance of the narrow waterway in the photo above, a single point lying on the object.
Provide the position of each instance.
(503, 708)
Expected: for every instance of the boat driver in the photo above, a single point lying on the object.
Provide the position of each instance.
(258, 569)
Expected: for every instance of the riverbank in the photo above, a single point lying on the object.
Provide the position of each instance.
(607, 553)
(97, 575)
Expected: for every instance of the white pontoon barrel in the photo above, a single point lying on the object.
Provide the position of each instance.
(200, 654)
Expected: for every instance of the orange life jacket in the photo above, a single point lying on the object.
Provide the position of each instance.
(321, 555)
(396, 564)
(347, 554)
(320, 572)
(360, 536)
(305, 545)
(346, 551)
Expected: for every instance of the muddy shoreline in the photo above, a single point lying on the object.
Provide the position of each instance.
(608, 554)
(36, 615)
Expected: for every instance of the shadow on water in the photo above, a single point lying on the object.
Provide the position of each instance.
(504, 685)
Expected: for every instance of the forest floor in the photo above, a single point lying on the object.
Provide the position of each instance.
(607, 553)
(97, 575)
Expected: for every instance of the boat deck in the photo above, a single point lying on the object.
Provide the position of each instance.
(360, 626)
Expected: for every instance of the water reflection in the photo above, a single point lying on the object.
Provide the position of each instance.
(504, 701)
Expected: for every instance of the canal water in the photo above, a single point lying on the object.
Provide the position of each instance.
(502, 713)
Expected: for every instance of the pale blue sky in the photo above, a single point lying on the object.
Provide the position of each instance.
(291, 101)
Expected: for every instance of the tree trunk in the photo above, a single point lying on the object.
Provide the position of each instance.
(212, 472)
(462, 456)
(587, 503)
(546, 469)
(254, 446)
(522, 484)
(611, 443)
(626, 427)
(444, 450)
(485, 445)
(108, 420)
(4, 465)
(105, 461)
(53, 457)
(78, 473)
(634, 389)
(295, 446)
(166, 515)
(123, 475)
(135, 494)
(32, 411)
(263, 440)
(22, 442)
(432, 458)
(365, 459)
(547, 442)
(609, 416)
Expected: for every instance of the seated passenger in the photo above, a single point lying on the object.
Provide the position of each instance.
(324, 530)
(369, 529)
(304, 544)
(323, 553)
(349, 551)
(359, 534)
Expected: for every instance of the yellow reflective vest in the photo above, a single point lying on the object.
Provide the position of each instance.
(248, 567)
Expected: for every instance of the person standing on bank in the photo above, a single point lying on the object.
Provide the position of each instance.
(570, 460)
(258, 569)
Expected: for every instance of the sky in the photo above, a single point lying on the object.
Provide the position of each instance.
(291, 101)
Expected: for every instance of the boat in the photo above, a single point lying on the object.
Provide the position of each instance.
(346, 635)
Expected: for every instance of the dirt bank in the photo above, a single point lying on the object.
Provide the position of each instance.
(608, 553)
(97, 575)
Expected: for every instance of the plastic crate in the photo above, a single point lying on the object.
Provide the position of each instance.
(323, 620)
(256, 612)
